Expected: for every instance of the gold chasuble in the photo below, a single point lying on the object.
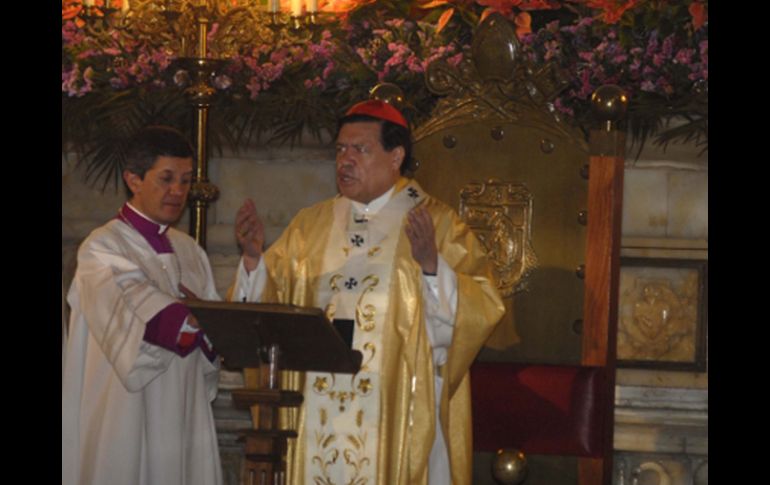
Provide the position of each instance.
(375, 427)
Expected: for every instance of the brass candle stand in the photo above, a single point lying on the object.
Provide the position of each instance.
(183, 28)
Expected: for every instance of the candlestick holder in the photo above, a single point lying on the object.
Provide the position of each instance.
(201, 35)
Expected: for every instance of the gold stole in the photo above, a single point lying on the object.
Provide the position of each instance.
(343, 411)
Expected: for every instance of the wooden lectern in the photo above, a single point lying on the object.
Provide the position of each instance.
(271, 337)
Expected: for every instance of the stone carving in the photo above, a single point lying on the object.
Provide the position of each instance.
(658, 314)
(651, 472)
(500, 214)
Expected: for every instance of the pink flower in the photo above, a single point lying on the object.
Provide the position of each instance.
(619, 59)
(71, 34)
(213, 32)
(328, 69)
(254, 87)
(455, 59)
(652, 47)
(69, 79)
(684, 56)
(161, 59)
(279, 55)
(414, 64)
(586, 88)
(562, 108)
(87, 53)
(667, 49)
(395, 23)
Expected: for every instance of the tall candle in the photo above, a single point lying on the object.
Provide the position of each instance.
(124, 6)
(312, 6)
(296, 8)
(88, 3)
(274, 5)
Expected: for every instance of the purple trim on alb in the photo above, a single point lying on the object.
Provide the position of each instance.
(163, 329)
(149, 230)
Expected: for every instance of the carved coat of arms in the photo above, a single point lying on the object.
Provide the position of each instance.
(500, 214)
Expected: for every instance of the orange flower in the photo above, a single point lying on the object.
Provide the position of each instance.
(539, 5)
(699, 14)
(523, 23)
(444, 19)
(612, 9)
(337, 6)
(70, 9)
(428, 4)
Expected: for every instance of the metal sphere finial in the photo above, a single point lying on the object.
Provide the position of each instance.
(609, 104)
(509, 466)
(388, 93)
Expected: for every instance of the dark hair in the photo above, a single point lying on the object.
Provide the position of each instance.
(152, 142)
(391, 135)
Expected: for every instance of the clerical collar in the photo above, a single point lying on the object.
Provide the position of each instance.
(374, 206)
(154, 233)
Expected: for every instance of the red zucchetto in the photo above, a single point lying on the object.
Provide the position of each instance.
(378, 109)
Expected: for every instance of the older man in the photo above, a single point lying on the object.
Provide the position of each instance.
(139, 375)
(400, 271)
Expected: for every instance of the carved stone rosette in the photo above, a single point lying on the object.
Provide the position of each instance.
(500, 214)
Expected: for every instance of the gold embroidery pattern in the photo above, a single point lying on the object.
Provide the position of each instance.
(365, 313)
(365, 386)
(322, 387)
(328, 455)
(331, 310)
(373, 251)
(368, 347)
(355, 457)
(342, 397)
(333, 282)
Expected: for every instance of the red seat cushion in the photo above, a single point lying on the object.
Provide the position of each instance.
(540, 409)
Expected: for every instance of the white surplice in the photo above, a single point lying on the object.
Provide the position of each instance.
(134, 413)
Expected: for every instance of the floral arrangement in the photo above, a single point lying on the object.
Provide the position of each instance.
(271, 92)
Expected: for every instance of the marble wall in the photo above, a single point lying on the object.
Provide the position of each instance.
(661, 416)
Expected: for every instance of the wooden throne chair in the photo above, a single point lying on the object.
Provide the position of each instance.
(545, 200)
